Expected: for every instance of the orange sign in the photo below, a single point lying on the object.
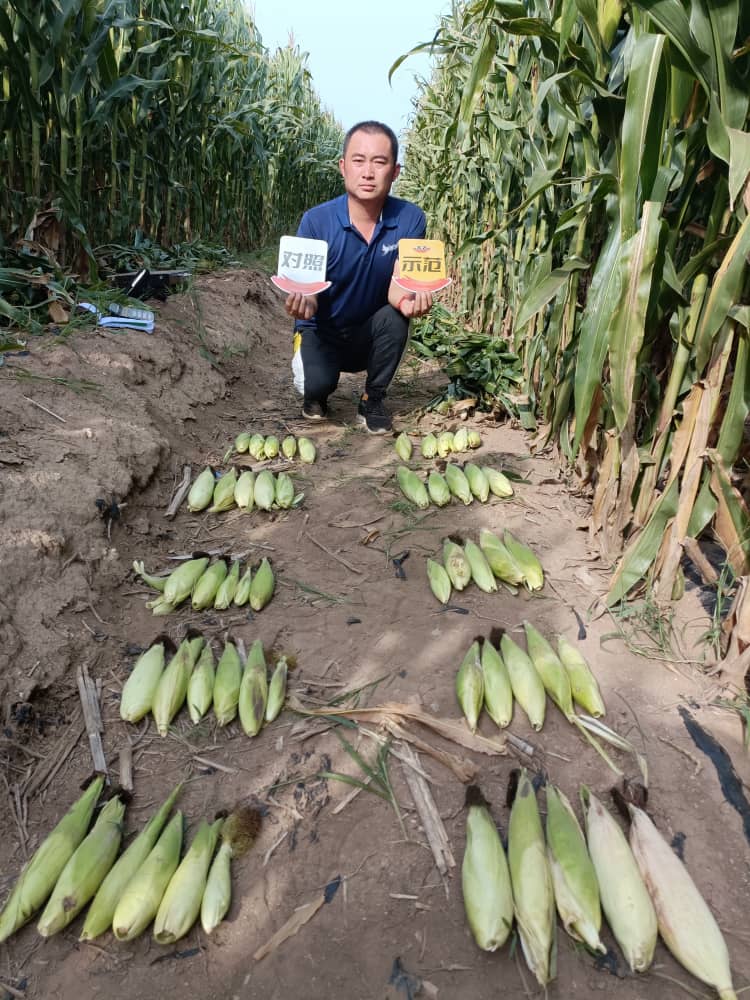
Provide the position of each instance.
(421, 265)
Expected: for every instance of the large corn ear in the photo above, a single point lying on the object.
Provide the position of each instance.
(485, 878)
(533, 575)
(271, 446)
(38, 877)
(440, 583)
(102, 910)
(85, 871)
(223, 498)
(202, 491)
(685, 922)
(265, 490)
(141, 897)
(306, 449)
(481, 573)
(498, 694)
(289, 446)
(244, 490)
(242, 442)
(205, 590)
(458, 484)
(253, 697)
(277, 689)
(412, 487)
(528, 689)
(262, 586)
(228, 587)
(582, 682)
(470, 686)
(501, 562)
(445, 444)
(181, 581)
(438, 489)
(403, 447)
(242, 594)
(256, 446)
(499, 483)
(461, 440)
(478, 481)
(573, 875)
(139, 689)
(550, 669)
(181, 902)
(429, 446)
(226, 693)
(531, 880)
(171, 692)
(625, 899)
(200, 690)
(284, 491)
(456, 564)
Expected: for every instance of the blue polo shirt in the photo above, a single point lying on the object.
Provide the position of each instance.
(360, 273)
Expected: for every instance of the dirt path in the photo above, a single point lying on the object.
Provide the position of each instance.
(217, 364)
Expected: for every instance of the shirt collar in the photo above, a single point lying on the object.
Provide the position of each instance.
(387, 217)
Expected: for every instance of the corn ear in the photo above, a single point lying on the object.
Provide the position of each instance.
(528, 689)
(502, 563)
(456, 564)
(461, 439)
(277, 689)
(403, 447)
(171, 691)
(412, 487)
(582, 682)
(485, 877)
(262, 586)
(242, 594)
(306, 450)
(685, 922)
(289, 446)
(479, 484)
(458, 484)
(157, 582)
(470, 686)
(264, 493)
(242, 442)
(256, 446)
(38, 877)
(475, 439)
(181, 581)
(499, 483)
(223, 498)
(139, 689)
(200, 690)
(202, 491)
(217, 896)
(181, 903)
(445, 444)
(550, 669)
(253, 697)
(438, 489)
(205, 590)
(85, 870)
(481, 573)
(625, 899)
(226, 691)
(142, 895)
(498, 694)
(244, 490)
(439, 580)
(533, 575)
(573, 875)
(531, 880)
(228, 587)
(429, 446)
(284, 491)
(271, 446)
(102, 910)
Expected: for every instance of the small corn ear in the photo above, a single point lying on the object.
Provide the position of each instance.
(470, 686)
(498, 694)
(485, 877)
(171, 691)
(181, 902)
(256, 446)
(226, 691)
(438, 489)
(306, 450)
(582, 682)
(403, 447)
(242, 442)
(253, 697)
(242, 594)
(228, 587)
(412, 487)
(262, 586)
(289, 446)
(528, 689)
(264, 493)
(475, 439)
(181, 581)
(456, 564)
(139, 689)
(141, 897)
(200, 690)
(277, 689)
(481, 573)
(533, 575)
(205, 590)
(479, 484)
(458, 484)
(445, 444)
(202, 491)
(223, 498)
(461, 439)
(217, 896)
(499, 483)
(502, 563)
(429, 446)
(550, 669)
(439, 580)
(244, 490)
(271, 446)
(284, 491)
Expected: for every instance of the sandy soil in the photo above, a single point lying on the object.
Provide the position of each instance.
(217, 364)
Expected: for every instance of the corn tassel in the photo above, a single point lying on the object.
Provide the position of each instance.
(140, 901)
(498, 694)
(582, 682)
(181, 903)
(253, 697)
(485, 878)
(470, 686)
(528, 689)
(138, 690)
(226, 692)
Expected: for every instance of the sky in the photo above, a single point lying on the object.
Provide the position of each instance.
(352, 46)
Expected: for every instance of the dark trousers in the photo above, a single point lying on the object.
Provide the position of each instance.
(376, 347)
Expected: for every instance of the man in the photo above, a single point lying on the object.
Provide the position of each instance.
(361, 323)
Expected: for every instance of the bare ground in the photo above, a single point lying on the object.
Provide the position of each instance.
(134, 408)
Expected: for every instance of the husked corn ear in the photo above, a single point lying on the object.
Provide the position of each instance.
(138, 691)
(205, 590)
(485, 878)
(102, 910)
(200, 690)
(244, 490)
(498, 694)
(181, 902)
(256, 446)
(502, 563)
(533, 575)
(445, 444)
(277, 689)
(202, 491)
(181, 581)
(41, 872)
(573, 875)
(456, 564)
(528, 689)
(685, 922)
(439, 580)
(142, 895)
(85, 870)
(171, 691)
(625, 899)
(306, 450)
(289, 446)
(412, 487)
(242, 594)
(475, 439)
(438, 489)
(262, 586)
(479, 484)
(254, 690)
(582, 682)
(481, 573)
(499, 483)
(226, 691)
(550, 669)
(429, 446)
(531, 880)
(284, 491)
(403, 447)
(461, 439)
(264, 493)
(228, 587)
(224, 492)
(242, 442)
(271, 446)
(458, 484)
(470, 686)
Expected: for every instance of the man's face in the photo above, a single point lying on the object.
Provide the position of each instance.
(368, 168)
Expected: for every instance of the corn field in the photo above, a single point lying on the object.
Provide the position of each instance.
(163, 117)
(587, 163)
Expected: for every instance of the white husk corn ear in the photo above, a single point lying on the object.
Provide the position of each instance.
(625, 899)
(139, 689)
(429, 446)
(458, 484)
(254, 690)
(171, 691)
(224, 493)
(289, 446)
(481, 573)
(142, 895)
(573, 875)
(478, 482)
(582, 682)
(181, 581)
(205, 590)
(244, 490)
(102, 910)
(39, 875)
(438, 489)
(284, 491)
(485, 878)
(531, 880)
(262, 586)
(242, 442)
(445, 444)
(685, 922)
(440, 583)
(306, 450)
(499, 483)
(277, 689)
(256, 446)
(461, 439)
(264, 493)
(470, 686)
(85, 871)
(456, 564)
(498, 694)
(502, 563)
(200, 690)
(412, 487)
(550, 669)
(242, 594)
(271, 446)
(181, 902)
(228, 587)
(403, 447)
(533, 575)
(202, 491)
(528, 689)
(226, 692)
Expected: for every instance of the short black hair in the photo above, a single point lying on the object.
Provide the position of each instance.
(373, 128)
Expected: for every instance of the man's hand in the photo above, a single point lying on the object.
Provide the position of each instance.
(301, 306)
(415, 305)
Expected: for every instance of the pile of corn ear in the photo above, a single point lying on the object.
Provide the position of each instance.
(216, 584)
(493, 560)
(260, 447)
(148, 883)
(467, 484)
(640, 885)
(443, 444)
(247, 490)
(164, 679)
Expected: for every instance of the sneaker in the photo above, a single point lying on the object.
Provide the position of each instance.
(312, 409)
(373, 414)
